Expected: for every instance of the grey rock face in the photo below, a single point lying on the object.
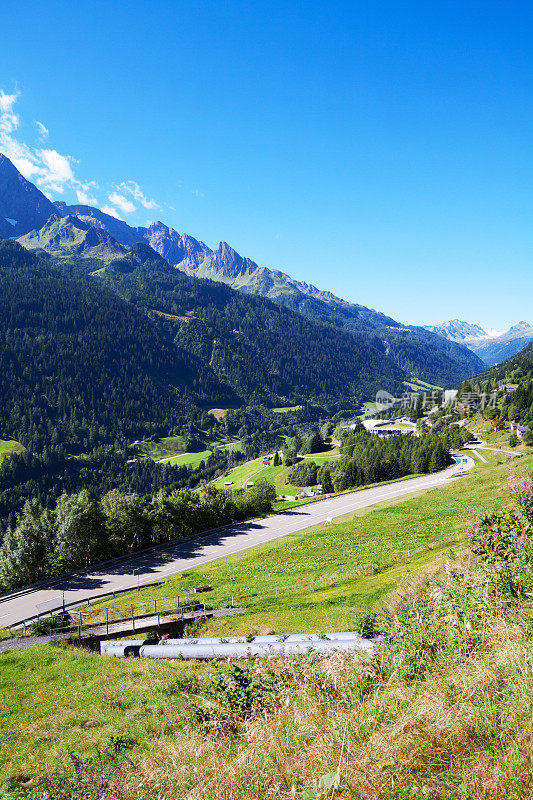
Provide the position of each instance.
(21, 202)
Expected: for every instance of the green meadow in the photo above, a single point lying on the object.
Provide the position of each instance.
(8, 446)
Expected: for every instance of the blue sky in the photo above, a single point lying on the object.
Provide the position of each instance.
(379, 150)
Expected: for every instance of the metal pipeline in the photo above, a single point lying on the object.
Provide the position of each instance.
(239, 647)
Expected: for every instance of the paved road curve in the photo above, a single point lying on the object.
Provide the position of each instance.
(169, 560)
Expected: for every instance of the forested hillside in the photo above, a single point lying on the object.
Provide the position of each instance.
(261, 350)
(419, 352)
(86, 371)
(518, 404)
(81, 367)
(91, 235)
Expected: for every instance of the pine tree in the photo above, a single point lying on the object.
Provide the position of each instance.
(327, 484)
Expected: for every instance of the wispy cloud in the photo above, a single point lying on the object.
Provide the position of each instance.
(54, 172)
(84, 196)
(125, 205)
(42, 130)
(132, 188)
(50, 170)
(111, 211)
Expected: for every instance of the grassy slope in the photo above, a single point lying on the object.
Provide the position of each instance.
(242, 473)
(275, 475)
(8, 446)
(56, 700)
(189, 459)
(172, 448)
(161, 448)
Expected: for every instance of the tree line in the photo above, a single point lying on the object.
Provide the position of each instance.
(80, 531)
(367, 458)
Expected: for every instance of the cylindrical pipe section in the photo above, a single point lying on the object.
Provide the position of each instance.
(238, 646)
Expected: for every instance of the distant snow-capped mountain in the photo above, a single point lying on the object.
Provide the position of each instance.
(491, 345)
(457, 330)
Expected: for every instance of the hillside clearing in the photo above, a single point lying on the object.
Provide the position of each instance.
(8, 446)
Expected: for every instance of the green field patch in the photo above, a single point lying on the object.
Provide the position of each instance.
(8, 446)
(188, 459)
(284, 409)
(161, 448)
(417, 385)
(243, 473)
(276, 475)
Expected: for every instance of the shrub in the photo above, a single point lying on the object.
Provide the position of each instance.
(231, 696)
(42, 627)
(365, 624)
(432, 619)
(303, 474)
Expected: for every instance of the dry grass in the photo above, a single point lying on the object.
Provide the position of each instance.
(466, 732)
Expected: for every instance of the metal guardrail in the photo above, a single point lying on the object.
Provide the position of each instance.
(84, 623)
(47, 609)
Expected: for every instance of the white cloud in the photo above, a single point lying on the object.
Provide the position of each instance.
(7, 101)
(84, 199)
(57, 166)
(125, 205)
(53, 172)
(85, 192)
(43, 130)
(111, 211)
(9, 121)
(50, 170)
(135, 191)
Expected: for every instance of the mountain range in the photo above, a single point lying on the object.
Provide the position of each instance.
(95, 238)
(490, 345)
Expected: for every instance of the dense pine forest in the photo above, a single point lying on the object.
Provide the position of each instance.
(514, 405)
(261, 350)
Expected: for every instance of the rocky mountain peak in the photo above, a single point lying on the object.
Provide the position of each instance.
(227, 262)
(22, 205)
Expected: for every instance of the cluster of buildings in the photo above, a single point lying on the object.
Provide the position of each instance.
(520, 430)
(389, 427)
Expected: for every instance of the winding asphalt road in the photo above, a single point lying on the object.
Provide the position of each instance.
(171, 559)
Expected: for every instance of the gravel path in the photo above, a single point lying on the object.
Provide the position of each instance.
(22, 642)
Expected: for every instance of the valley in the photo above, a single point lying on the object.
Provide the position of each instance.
(176, 417)
(266, 522)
